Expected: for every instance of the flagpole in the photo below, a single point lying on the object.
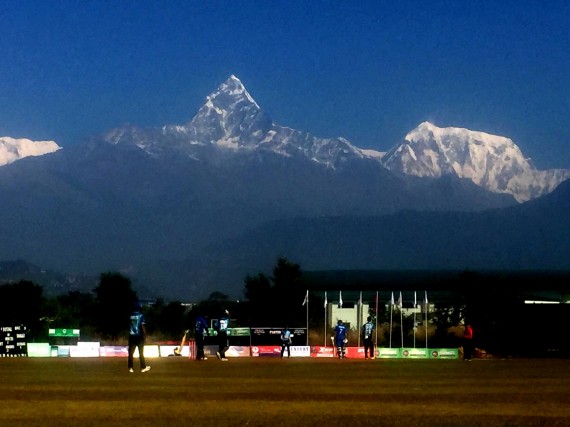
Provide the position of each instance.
(307, 318)
(426, 321)
(391, 305)
(326, 308)
(376, 326)
(359, 320)
(415, 306)
(401, 303)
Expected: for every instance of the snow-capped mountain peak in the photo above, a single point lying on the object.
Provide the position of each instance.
(230, 120)
(234, 87)
(490, 161)
(12, 149)
(226, 115)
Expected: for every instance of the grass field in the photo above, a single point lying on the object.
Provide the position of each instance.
(275, 392)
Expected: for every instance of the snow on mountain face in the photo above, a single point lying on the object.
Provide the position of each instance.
(228, 118)
(12, 149)
(490, 161)
(231, 120)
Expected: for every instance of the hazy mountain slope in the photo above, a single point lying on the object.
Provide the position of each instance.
(532, 236)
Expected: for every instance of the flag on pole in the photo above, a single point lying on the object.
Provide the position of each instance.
(376, 303)
(360, 299)
(426, 319)
(326, 299)
(306, 300)
(340, 299)
(376, 320)
(400, 300)
(415, 299)
(392, 299)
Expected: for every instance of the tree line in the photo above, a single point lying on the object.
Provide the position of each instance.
(102, 315)
(503, 323)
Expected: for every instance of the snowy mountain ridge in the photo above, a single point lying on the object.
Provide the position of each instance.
(12, 149)
(230, 121)
(490, 161)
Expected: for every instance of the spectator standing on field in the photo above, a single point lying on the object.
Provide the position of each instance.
(468, 343)
(340, 338)
(200, 330)
(137, 333)
(222, 330)
(286, 341)
(367, 331)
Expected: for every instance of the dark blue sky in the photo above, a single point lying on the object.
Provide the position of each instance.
(367, 70)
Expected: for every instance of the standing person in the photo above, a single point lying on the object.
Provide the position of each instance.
(200, 329)
(286, 341)
(137, 333)
(340, 338)
(222, 329)
(468, 342)
(367, 332)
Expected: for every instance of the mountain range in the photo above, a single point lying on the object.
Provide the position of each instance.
(188, 209)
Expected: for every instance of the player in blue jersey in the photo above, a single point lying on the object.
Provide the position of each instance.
(367, 332)
(340, 339)
(137, 333)
(221, 328)
(286, 341)
(200, 330)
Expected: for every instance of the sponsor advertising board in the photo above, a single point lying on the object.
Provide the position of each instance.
(150, 351)
(39, 349)
(322, 351)
(232, 332)
(444, 353)
(389, 353)
(238, 351)
(85, 349)
(275, 351)
(354, 352)
(64, 332)
(415, 353)
(232, 351)
(114, 351)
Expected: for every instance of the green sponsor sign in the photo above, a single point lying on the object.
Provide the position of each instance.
(233, 332)
(444, 353)
(389, 353)
(239, 332)
(63, 332)
(415, 353)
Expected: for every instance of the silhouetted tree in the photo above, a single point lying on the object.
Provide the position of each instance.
(75, 310)
(114, 300)
(259, 296)
(276, 301)
(171, 320)
(288, 294)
